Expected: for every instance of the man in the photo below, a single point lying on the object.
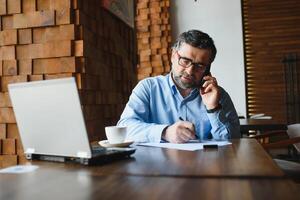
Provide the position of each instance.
(185, 104)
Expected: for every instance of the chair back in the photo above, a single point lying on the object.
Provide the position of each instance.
(294, 131)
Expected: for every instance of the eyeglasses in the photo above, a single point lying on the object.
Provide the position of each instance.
(187, 62)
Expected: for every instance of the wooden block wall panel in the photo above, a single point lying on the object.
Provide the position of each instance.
(34, 19)
(7, 115)
(36, 77)
(43, 5)
(8, 146)
(78, 49)
(1, 68)
(12, 131)
(9, 67)
(7, 53)
(7, 22)
(59, 4)
(5, 80)
(25, 36)
(64, 16)
(44, 50)
(28, 6)
(55, 76)
(2, 132)
(76, 4)
(22, 159)
(19, 148)
(78, 77)
(13, 6)
(25, 67)
(153, 35)
(2, 7)
(56, 33)
(4, 100)
(54, 65)
(53, 4)
(8, 160)
(8, 37)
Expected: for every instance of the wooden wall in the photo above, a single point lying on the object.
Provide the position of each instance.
(153, 37)
(272, 31)
(46, 39)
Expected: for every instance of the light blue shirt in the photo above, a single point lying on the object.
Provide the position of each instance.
(156, 103)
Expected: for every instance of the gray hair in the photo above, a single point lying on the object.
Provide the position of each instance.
(196, 39)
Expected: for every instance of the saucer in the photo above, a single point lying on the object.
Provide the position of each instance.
(105, 143)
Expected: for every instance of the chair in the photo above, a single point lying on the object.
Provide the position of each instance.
(290, 139)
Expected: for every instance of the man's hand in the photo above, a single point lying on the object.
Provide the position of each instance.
(210, 92)
(180, 132)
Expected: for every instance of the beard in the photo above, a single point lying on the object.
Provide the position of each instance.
(185, 85)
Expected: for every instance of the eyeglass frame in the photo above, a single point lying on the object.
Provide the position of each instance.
(196, 65)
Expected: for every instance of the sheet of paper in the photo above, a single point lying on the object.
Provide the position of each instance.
(19, 169)
(192, 145)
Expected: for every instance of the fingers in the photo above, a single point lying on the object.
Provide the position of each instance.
(208, 88)
(188, 125)
(186, 131)
(187, 134)
(180, 132)
(210, 92)
(209, 80)
(209, 84)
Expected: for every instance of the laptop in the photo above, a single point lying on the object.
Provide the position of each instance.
(52, 126)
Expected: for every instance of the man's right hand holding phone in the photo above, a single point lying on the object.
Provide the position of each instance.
(210, 92)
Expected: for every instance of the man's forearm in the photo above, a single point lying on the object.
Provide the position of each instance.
(143, 132)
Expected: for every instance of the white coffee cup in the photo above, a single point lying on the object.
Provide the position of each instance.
(116, 134)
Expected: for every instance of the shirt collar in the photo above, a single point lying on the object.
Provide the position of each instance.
(172, 84)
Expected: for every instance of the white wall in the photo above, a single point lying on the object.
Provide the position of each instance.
(222, 20)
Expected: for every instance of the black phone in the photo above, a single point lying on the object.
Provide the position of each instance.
(206, 72)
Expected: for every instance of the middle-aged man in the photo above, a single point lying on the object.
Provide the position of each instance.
(185, 104)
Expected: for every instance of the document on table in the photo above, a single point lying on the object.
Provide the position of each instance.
(192, 145)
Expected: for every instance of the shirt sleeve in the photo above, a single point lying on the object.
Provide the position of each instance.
(225, 122)
(136, 116)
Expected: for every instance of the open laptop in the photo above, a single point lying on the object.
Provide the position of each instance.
(51, 123)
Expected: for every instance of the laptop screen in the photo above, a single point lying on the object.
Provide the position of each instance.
(49, 118)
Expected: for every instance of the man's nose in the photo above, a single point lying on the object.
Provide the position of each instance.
(190, 69)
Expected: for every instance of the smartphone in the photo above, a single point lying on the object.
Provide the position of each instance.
(206, 72)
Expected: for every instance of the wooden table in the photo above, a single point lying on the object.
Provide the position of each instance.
(245, 158)
(260, 125)
(239, 171)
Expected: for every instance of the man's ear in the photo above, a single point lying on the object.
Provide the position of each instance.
(173, 55)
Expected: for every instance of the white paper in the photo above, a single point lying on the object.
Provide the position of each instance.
(192, 145)
(19, 169)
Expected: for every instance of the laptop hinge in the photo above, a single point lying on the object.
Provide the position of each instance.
(28, 153)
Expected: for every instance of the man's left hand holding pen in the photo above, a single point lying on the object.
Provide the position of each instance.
(179, 132)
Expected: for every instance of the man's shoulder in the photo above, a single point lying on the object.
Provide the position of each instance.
(156, 80)
(224, 93)
(152, 85)
(222, 89)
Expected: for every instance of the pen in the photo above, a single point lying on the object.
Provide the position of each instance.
(196, 136)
